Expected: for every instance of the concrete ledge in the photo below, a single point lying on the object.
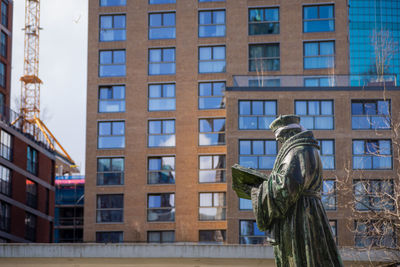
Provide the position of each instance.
(87, 250)
(199, 252)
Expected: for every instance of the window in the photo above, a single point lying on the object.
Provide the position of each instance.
(257, 154)
(370, 114)
(327, 153)
(319, 82)
(211, 1)
(152, 2)
(319, 55)
(31, 194)
(212, 206)
(161, 170)
(110, 171)
(161, 133)
(328, 194)
(2, 74)
(263, 21)
(374, 195)
(3, 44)
(212, 23)
(212, 236)
(264, 82)
(212, 59)
(161, 61)
(30, 227)
(250, 234)
(111, 134)
(372, 154)
(161, 236)
(110, 237)
(5, 142)
(2, 105)
(112, 98)
(211, 95)
(161, 207)
(162, 25)
(373, 233)
(264, 57)
(112, 28)
(4, 13)
(5, 180)
(110, 208)
(32, 160)
(315, 114)
(112, 2)
(5, 217)
(212, 132)
(112, 63)
(333, 224)
(162, 97)
(318, 18)
(212, 169)
(245, 204)
(256, 115)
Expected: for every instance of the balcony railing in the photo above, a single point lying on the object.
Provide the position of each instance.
(30, 130)
(314, 81)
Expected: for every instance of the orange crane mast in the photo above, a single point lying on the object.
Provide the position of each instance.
(30, 81)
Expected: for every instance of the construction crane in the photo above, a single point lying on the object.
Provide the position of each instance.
(30, 81)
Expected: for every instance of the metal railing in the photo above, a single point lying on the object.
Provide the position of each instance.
(314, 81)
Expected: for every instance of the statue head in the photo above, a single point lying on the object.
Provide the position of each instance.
(285, 126)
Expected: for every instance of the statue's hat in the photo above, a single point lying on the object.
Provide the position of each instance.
(283, 121)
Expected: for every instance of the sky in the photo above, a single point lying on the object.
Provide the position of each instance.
(62, 68)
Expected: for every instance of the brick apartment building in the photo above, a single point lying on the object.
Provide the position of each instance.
(27, 164)
(179, 91)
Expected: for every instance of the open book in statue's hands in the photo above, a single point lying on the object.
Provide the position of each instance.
(243, 179)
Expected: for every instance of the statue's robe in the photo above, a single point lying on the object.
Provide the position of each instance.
(289, 205)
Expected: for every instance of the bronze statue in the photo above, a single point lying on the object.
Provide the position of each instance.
(288, 201)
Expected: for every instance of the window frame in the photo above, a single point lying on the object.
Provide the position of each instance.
(171, 209)
(171, 172)
(3, 44)
(32, 160)
(111, 171)
(212, 24)
(368, 186)
(241, 235)
(222, 170)
(123, 3)
(258, 155)
(149, 98)
(5, 216)
(263, 8)
(111, 135)
(112, 63)
(99, 209)
(316, 116)
(319, 56)
(6, 181)
(98, 233)
(122, 100)
(162, 61)
(267, 59)
(329, 195)
(162, 26)
(213, 206)
(364, 102)
(201, 133)
(320, 143)
(30, 229)
(6, 146)
(318, 5)
(150, 3)
(4, 15)
(31, 189)
(161, 132)
(256, 116)
(212, 96)
(161, 232)
(112, 29)
(211, 60)
(215, 232)
(365, 149)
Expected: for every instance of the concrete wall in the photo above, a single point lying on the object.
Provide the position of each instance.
(82, 255)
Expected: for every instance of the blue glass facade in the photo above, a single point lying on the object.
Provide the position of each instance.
(365, 16)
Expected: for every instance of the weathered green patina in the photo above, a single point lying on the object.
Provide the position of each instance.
(288, 202)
